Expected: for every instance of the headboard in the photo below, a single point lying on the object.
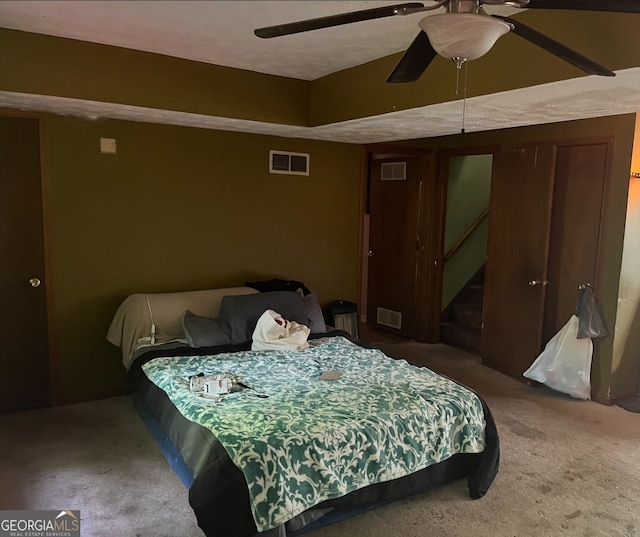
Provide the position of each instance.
(132, 323)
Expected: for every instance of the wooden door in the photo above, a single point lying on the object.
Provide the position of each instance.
(24, 380)
(393, 302)
(517, 250)
(578, 201)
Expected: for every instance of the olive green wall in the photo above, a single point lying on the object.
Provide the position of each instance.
(45, 65)
(612, 373)
(178, 209)
(181, 208)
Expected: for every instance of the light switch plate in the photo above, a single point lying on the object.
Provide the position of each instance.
(108, 145)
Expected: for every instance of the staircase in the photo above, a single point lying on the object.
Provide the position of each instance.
(461, 326)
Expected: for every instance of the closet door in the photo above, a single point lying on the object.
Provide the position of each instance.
(582, 170)
(394, 242)
(24, 379)
(545, 231)
(517, 255)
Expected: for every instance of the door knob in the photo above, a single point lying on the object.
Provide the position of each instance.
(533, 283)
(35, 282)
(370, 253)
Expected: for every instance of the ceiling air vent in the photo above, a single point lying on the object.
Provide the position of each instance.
(288, 163)
(389, 318)
(393, 171)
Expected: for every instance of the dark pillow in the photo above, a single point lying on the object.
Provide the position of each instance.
(239, 314)
(314, 313)
(278, 284)
(202, 331)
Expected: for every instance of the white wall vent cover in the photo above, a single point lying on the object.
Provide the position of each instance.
(393, 171)
(389, 318)
(288, 163)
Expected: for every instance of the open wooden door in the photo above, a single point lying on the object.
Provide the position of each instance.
(517, 254)
(24, 380)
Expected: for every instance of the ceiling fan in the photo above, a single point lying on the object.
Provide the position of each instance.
(464, 31)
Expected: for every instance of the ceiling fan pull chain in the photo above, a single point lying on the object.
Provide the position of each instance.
(457, 81)
(464, 95)
(460, 62)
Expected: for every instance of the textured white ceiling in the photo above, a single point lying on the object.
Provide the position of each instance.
(221, 32)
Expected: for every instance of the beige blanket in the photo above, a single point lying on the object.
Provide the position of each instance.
(140, 314)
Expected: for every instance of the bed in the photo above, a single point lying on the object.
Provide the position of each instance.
(304, 438)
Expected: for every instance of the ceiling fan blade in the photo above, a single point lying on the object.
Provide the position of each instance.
(558, 49)
(334, 20)
(415, 60)
(619, 6)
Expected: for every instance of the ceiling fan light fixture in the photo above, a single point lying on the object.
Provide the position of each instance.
(463, 36)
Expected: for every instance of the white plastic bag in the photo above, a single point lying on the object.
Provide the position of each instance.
(565, 363)
(273, 332)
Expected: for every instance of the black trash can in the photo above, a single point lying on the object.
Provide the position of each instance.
(343, 315)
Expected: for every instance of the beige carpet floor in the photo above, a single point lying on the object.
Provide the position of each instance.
(569, 468)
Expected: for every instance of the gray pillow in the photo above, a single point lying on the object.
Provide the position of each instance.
(202, 331)
(239, 314)
(314, 313)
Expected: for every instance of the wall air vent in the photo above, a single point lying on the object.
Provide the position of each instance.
(288, 163)
(389, 318)
(393, 171)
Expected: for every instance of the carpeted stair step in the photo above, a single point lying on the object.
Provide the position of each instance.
(475, 295)
(468, 314)
(460, 336)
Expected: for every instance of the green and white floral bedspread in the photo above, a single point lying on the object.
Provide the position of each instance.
(313, 440)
